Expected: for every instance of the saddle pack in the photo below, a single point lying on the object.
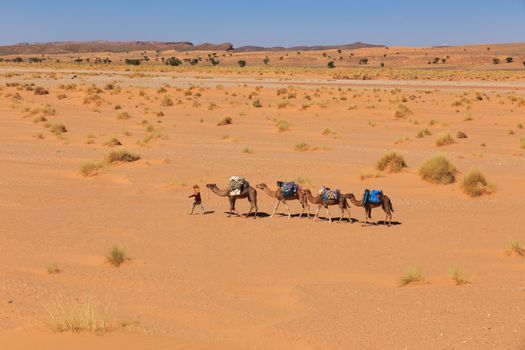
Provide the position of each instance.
(372, 196)
(237, 185)
(327, 194)
(288, 189)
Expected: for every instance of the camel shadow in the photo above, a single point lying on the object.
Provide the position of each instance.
(293, 215)
(243, 215)
(382, 223)
(336, 219)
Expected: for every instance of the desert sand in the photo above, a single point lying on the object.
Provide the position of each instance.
(212, 282)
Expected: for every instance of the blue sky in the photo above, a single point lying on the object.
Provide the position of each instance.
(266, 22)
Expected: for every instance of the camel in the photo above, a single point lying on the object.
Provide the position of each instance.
(250, 193)
(385, 203)
(278, 194)
(341, 201)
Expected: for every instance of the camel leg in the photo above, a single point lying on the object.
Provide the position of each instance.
(302, 211)
(328, 213)
(275, 209)
(317, 212)
(287, 208)
(342, 214)
(349, 214)
(308, 210)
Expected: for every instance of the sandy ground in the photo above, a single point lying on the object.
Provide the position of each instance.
(272, 283)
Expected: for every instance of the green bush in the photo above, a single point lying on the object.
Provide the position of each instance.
(242, 63)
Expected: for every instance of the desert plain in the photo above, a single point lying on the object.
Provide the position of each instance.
(213, 282)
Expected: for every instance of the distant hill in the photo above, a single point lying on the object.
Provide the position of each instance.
(74, 47)
(357, 45)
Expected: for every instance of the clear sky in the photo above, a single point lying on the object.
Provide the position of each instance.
(266, 22)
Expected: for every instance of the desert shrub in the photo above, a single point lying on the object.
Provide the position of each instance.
(247, 150)
(122, 156)
(225, 121)
(302, 146)
(266, 60)
(40, 91)
(444, 140)
(461, 135)
(514, 247)
(242, 63)
(403, 112)
(509, 59)
(422, 133)
(522, 142)
(132, 61)
(392, 162)
(214, 61)
(327, 131)
(363, 61)
(61, 96)
(124, 116)
(257, 103)
(496, 61)
(458, 276)
(173, 61)
(113, 142)
(411, 276)
(83, 315)
(52, 269)
(475, 184)
(91, 168)
(283, 104)
(282, 125)
(116, 256)
(166, 101)
(57, 128)
(330, 64)
(438, 170)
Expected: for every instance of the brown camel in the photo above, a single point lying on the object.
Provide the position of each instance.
(278, 194)
(249, 192)
(341, 201)
(385, 203)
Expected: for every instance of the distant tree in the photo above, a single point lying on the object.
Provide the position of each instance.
(242, 63)
(436, 60)
(214, 61)
(266, 60)
(443, 60)
(509, 59)
(382, 64)
(132, 61)
(324, 54)
(339, 51)
(18, 60)
(331, 64)
(363, 61)
(194, 61)
(496, 60)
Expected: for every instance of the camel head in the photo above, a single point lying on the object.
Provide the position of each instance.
(306, 192)
(261, 186)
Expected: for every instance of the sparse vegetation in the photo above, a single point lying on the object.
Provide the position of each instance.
(242, 63)
(438, 170)
(52, 269)
(475, 184)
(91, 168)
(132, 61)
(444, 140)
(403, 112)
(461, 135)
(40, 91)
(515, 248)
(116, 256)
(411, 276)
(424, 132)
(124, 116)
(302, 147)
(282, 125)
(391, 162)
(458, 276)
(122, 156)
(257, 103)
(83, 315)
(225, 121)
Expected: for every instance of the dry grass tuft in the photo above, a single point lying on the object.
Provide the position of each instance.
(403, 112)
(83, 315)
(124, 116)
(122, 156)
(391, 162)
(461, 135)
(282, 125)
(438, 170)
(475, 184)
(225, 121)
(91, 168)
(116, 256)
(113, 142)
(40, 91)
(514, 247)
(52, 269)
(302, 147)
(445, 140)
(522, 142)
(422, 133)
(458, 276)
(411, 276)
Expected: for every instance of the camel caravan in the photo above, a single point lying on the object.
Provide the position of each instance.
(239, 188)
